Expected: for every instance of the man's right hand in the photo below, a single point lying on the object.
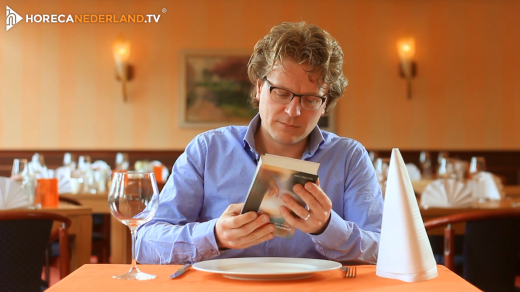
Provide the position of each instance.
(238, 231)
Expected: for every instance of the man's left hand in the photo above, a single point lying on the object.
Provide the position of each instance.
(316, 218)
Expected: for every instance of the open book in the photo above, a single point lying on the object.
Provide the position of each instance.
(275, 176)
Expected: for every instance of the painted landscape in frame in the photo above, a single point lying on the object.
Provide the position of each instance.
(215, 88)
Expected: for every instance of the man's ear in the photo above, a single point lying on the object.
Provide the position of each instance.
(258, 89)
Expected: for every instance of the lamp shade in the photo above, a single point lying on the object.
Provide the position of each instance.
(121, 51)
(406, 49)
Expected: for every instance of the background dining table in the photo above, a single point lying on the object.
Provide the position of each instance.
(121, 244)
(120, 240)
(510, 201)
(81, 228)
(99, 278)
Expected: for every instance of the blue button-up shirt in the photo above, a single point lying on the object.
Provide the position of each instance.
(216, 170)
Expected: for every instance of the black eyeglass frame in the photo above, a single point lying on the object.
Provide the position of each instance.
(271, 87)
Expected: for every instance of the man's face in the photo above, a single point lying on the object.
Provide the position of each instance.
(288, 124)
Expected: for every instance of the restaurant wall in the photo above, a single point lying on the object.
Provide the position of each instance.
(58, 88)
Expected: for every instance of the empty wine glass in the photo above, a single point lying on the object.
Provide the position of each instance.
(426, 164)
(133, 200)
(477, 164)
(445, 168)
(381, 166)
(68, 160)
(122, 162)
(19, 167)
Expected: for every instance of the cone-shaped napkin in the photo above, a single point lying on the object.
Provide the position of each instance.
(404, 249)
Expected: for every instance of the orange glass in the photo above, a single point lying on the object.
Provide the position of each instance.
(47, 192)
(157, 171)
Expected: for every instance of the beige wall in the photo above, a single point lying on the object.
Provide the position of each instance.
(58, 87)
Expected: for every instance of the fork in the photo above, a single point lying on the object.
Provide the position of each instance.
(350, 272)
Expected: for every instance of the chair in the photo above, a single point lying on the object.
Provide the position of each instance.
(100, 232)
(491, 246)
(24, 238)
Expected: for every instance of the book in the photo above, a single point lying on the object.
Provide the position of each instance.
(276, 176)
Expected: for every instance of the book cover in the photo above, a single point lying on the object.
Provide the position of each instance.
(275, 176)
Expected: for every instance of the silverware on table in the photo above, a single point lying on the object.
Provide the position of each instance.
(350, 272)
(180, 271)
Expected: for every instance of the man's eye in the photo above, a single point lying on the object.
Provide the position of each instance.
(282, 93)
(312, 99)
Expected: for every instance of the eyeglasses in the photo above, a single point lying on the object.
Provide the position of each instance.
(284, 96)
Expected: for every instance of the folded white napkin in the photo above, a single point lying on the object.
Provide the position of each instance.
(413, 171)
(447, 193)
(488, 186)
(11, 194)
(404, 249)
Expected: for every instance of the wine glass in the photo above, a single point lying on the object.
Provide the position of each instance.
(133, 200)
(19, 168)
(381, 166)
(478, 164)
(426, 164)
(122, 162)
(446, 169)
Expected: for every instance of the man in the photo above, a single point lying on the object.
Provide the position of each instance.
(297, 72)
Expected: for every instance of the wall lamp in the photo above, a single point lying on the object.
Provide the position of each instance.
(407, 68)
(124, 71)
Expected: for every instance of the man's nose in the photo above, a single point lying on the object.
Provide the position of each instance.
(293, 107)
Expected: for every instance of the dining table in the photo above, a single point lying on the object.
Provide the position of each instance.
(120, 240)
(511, 191)
(99, 278)
(121, 244)
(511, 200)
(81, 228)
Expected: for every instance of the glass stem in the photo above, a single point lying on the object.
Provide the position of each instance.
(133, 231)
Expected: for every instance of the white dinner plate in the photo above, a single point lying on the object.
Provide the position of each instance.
(266, 269)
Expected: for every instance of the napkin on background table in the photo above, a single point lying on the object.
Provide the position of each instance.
(11, 194)
(405, 252)
(447, 193)
(413, 171)
(488, 186)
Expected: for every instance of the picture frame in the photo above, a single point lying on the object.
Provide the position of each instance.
(214, 89)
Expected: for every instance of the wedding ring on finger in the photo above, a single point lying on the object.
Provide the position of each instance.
(308, 215)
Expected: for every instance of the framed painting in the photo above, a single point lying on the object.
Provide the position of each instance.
(214, 89)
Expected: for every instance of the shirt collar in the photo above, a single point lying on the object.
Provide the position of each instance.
(316, 139)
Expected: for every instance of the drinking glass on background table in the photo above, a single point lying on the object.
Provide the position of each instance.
(477, 164)
(426, 164)
(445, 169)
(19, 167)
(133, 200)
(68, 160)
(381, 166)
(46, 193)
(122, 162)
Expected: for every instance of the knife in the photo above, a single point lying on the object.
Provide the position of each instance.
(180, 271)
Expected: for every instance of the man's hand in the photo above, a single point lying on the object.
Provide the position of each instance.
(237, 231)
(316, 218)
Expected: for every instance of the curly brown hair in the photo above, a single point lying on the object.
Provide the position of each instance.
(307, 44)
